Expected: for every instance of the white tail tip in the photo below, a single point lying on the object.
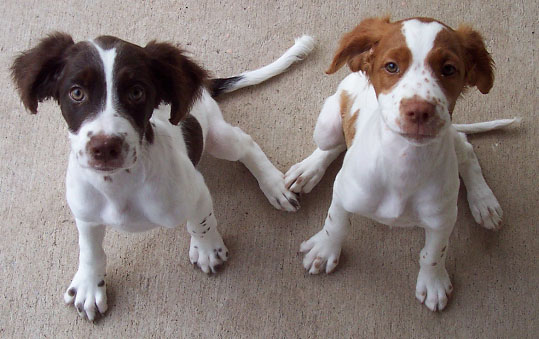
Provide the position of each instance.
(303, 46)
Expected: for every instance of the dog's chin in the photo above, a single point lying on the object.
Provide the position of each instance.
(417, 139)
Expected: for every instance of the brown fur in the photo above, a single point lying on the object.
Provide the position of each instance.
(348, 120)
(194, 140)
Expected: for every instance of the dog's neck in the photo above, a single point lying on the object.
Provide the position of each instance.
(407, 163)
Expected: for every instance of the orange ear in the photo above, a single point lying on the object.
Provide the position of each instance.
(354, 45)
(479, 63)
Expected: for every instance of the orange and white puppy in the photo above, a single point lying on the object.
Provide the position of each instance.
(393, 114)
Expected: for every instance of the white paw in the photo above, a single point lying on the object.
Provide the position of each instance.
(304, 176)
(88, 293)
(278, 195)
(208, 251)
(485, 208)
(323, 251)
(433, 288)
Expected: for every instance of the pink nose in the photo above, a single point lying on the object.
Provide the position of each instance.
(417, 111)
(105, 149)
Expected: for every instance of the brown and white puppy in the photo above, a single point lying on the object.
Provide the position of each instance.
(138, 120)
(404, 156)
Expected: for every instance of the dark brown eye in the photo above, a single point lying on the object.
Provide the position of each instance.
(136, 93)
(77, 94)
(392, 67)
(448, 70)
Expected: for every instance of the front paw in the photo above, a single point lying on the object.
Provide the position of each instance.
(485, 208)
(323, 251)
(304, 176)
(88, 293)
(433, 288)
(278, 195)
(208, 251)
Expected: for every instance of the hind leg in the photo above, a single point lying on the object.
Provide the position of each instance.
(231, 143)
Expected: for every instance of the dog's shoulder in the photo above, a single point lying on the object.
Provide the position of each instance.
(194, 138)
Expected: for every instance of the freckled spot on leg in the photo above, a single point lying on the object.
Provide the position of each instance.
(80, 153)
(327, 233)
(434, 263)
(90, 133)
(195, 247)
(317, 262)
(72, 291)
(329, 216)
(423, 293)
(107, 178)
(335, 261)
(220, 250)
(427, 80)
(443, 249)
(128, 171)
(101, 283)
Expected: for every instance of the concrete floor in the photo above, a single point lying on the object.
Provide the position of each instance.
(263, 292)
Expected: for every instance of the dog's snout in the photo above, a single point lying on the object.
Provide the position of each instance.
(106, 153)
(417, 111)
(105, 148)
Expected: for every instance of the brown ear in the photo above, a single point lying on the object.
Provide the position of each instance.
(178, 78)
(355, 46)
(479, 63)
(36, 71)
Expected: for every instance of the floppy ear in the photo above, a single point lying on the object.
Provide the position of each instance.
(179, 79)
(479, 63)
(355, 46)
(36, 71)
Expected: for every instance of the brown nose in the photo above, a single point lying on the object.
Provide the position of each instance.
(104, 148)
(417, 111)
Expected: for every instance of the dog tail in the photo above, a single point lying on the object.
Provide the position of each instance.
(485, 126)
(303, 46)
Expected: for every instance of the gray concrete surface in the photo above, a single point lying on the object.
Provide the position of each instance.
(263, 292)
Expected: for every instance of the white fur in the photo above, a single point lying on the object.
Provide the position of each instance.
(392, 179)
(160, 188)
(301, 48)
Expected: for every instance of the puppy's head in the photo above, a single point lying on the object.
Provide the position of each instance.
(107, 90)
(418, 68)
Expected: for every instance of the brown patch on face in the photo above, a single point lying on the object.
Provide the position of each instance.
(348, 120)
(447, 55)
(194, 140)
(369, 47)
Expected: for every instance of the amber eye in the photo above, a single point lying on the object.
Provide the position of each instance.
(448, 70)
(77, 94)
(392, 67)
(136, 93)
